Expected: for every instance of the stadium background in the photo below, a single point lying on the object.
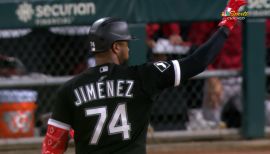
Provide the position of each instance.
(53, 47)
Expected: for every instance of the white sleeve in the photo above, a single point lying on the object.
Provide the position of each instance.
(177, 72)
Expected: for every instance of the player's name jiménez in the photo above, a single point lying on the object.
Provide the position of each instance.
(102, 90)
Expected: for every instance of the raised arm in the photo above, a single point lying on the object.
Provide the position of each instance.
(205, 54)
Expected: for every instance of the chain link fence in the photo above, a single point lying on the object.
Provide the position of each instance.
(45, 53)
(56, 51)
(51, 53)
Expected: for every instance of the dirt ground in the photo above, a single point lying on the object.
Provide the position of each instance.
(208, 151)
(202, 147)
(211, 152)
(228, 147)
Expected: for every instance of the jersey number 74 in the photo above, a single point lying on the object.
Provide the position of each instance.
(119, 114)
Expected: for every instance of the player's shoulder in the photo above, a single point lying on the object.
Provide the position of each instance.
(69, 84)
(160, 66)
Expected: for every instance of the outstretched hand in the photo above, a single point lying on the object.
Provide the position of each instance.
(236, 4)
(232, 6)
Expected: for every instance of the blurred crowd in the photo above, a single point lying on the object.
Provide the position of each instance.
(221, 102)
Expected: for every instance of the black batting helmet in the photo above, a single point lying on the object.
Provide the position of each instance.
(105, 31)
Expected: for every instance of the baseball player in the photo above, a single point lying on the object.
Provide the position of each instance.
(108, 106)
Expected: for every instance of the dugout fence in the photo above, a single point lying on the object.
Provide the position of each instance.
(53, 53)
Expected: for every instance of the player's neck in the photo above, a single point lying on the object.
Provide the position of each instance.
(104, 58)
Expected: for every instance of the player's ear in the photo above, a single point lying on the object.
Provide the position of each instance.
(116, 47)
